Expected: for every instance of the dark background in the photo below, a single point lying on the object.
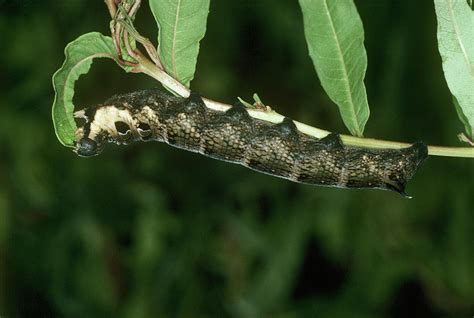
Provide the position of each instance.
(151, 231)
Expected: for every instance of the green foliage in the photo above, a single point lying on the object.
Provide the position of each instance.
(151, 231)
(182, 24)
(464, 120)
(335, 38)
(456, 46)
(79, 55)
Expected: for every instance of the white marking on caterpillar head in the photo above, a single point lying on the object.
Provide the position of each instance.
(105, 118)
(79, 133)
(80, 114)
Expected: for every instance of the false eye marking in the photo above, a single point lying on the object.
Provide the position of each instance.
(144, 130)
(110, 120)
(122, 128)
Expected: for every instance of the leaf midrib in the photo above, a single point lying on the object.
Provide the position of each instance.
(346, 77)
(458, 36)
(175, 31)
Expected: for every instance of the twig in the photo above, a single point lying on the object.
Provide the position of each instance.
(149, 47)
(116, 36)
(169, 82)
(111, 6)
(155, 71)
(130, 51)
(134, 8)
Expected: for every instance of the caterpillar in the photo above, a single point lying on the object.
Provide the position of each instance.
(277, 149)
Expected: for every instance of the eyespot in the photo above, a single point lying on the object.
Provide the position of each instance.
(86, 147)
(122, 128)
(144, 130)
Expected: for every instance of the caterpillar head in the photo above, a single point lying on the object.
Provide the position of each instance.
(107, 124)
(87, 147)
(122, 119)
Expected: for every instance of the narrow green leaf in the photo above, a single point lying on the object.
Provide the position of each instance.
(335, 38)
(456, 46)
(79, 55)
(182, 24)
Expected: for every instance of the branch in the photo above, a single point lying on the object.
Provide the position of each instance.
(111, 5)
(153, 69)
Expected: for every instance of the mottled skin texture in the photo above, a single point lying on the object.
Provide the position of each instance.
(277, 149)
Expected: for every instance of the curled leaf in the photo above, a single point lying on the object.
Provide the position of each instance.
(79, 55)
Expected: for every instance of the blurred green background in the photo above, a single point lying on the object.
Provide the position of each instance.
(152, 231)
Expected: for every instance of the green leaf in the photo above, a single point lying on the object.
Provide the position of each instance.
(79, 55)
(456, 46)
(335, 38)
(182, 24)
(462, 118)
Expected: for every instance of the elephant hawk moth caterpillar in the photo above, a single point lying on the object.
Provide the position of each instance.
(277, 149)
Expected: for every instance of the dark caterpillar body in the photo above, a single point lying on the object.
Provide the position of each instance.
(277, 149)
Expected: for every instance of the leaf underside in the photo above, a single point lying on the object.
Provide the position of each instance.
(335, 37)
(79, 55)
(456, 47)
(182, 24)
